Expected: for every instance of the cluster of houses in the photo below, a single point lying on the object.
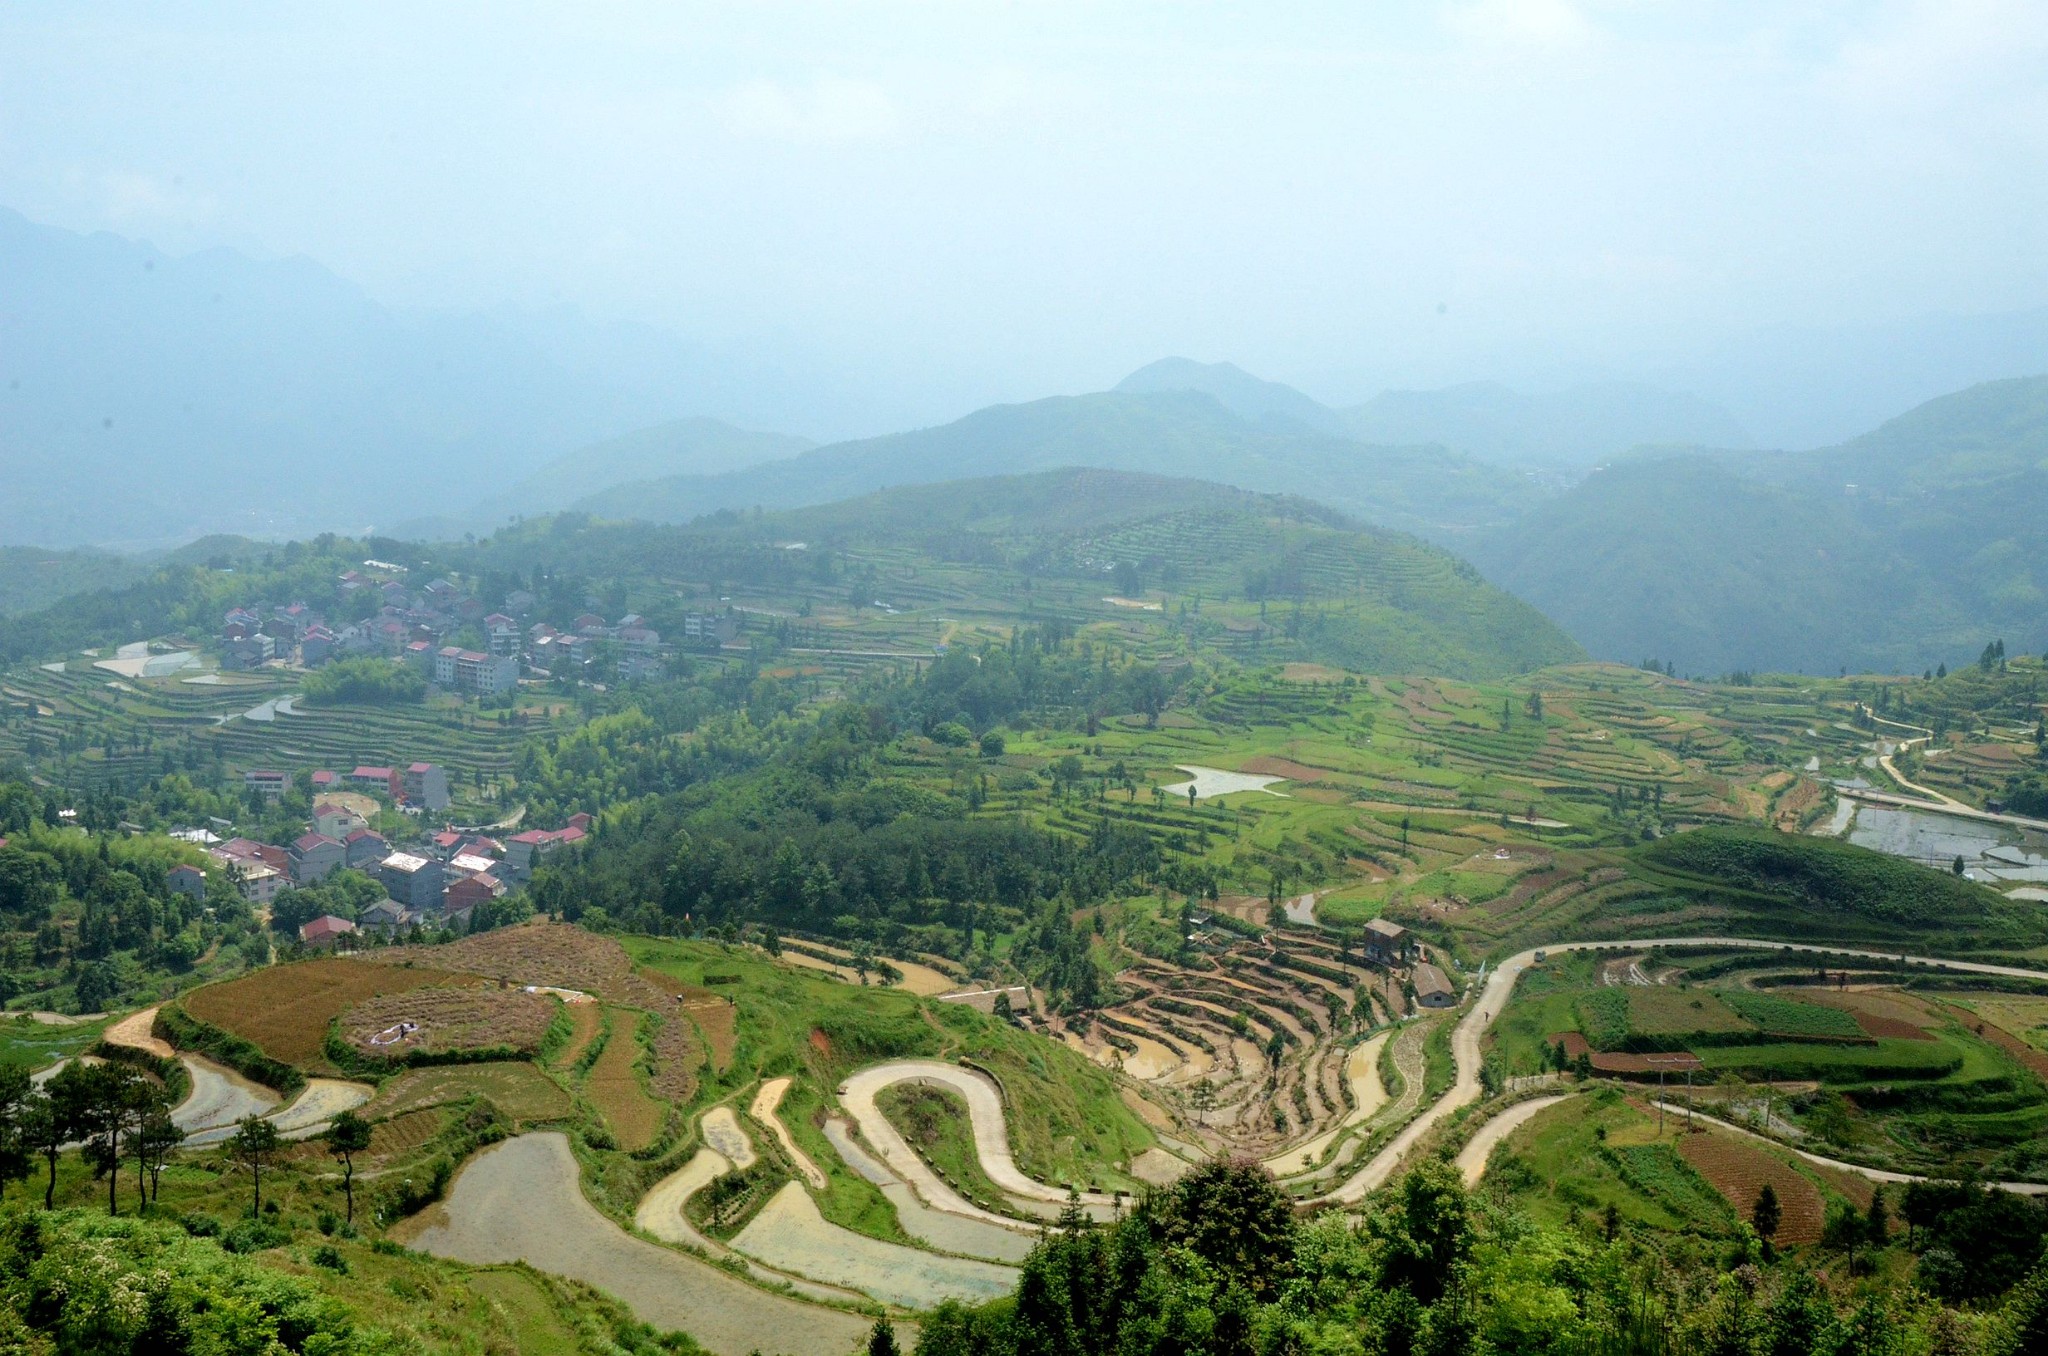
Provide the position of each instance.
(417, 788)
(416, 626)
(436, 881)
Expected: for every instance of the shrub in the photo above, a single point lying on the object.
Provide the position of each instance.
(370, 682)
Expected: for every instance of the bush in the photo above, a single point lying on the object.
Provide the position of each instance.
(187, 1032)
(367, 682)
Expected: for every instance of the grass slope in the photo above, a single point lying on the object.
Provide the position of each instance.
(1823, 888)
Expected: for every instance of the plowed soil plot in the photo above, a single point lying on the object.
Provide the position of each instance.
(286, 1009)
(565, 956)
(614, 1085)
(558, 954)
(585, 1021)
(434, 1021)
(1738, 1171)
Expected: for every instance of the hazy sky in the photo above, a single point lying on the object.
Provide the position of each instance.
(1006, 199)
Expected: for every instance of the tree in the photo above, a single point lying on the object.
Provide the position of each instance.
(1234, 1217)
(347, 1136)
(882, 1338)
(255, 1145)
(1843, 1232)
(1427, 1230)
(153, 1146)
(15, 1151)
(107, 1105)
(1877, 1221)
(143, 1104)
(52, 1120)
(1765, 1215)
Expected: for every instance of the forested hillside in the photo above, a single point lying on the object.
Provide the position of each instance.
(1904, 549)
(1231, 564)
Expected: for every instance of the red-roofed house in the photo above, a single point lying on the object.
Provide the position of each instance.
(365, 849)
(384, 779)
(426, 785)
(466, 892)
(524, 850)
(336, 821)
(325, 931)
(314, 856)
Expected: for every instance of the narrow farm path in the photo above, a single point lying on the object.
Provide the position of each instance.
(1874, 1174)
(985, 1114)
(1466, 1036)
(133, 1031)
(1472, 1158)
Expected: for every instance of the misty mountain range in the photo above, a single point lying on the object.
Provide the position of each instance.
(147, 400)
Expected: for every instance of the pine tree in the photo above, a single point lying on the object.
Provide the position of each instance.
(1766, 1215)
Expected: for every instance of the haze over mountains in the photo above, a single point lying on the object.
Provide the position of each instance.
(1908, 547)
(149, 400)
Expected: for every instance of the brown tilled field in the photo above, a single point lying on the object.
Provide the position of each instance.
(613, 1083)
(392, 1026)
(565, 956)
(402, 1134)
(557, 954)
(716, 1022)
(585, 1021)
(286, 1009)
(1738, 1170)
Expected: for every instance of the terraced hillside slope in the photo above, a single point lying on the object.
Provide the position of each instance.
(1256, 576)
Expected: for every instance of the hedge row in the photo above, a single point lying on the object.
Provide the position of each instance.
(187, 1032)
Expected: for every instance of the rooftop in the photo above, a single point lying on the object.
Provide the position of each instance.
(1430, 980)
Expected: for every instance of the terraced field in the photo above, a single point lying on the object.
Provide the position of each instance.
(92, 729)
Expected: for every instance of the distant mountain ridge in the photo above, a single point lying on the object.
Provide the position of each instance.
(1180, 432)
(1910, 546)
(1568, 430)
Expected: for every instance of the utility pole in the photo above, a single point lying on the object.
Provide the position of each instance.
(1660, 1101)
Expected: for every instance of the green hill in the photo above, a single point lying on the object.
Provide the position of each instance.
(1166, 432)
(1825, 889)
(1291, 577)
(31, 578)
(1903, 549)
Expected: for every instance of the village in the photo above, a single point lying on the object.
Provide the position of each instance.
(453, 639)
(432, 881)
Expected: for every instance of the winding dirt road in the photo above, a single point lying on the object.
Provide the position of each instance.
(985, 1114)
(1466, 1036)
(1472, 1158)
